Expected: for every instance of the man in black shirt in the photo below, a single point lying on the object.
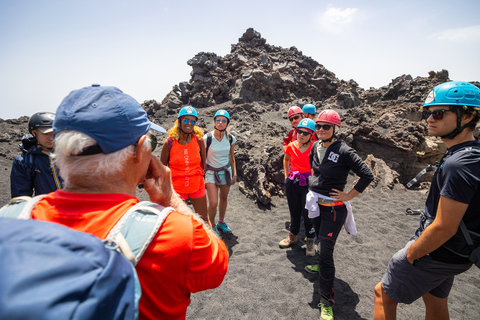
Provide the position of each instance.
(426, 267)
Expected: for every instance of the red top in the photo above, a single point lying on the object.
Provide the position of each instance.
(186, 166)
(183, 258)
(299, 161)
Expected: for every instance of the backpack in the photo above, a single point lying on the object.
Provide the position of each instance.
(209, 140)
(55, 272)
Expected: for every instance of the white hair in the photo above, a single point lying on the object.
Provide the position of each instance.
(95, 169)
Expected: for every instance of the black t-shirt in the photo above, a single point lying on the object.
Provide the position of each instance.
(332, 172)
(457, 178)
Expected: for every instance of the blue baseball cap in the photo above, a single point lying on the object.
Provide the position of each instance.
(114, 119)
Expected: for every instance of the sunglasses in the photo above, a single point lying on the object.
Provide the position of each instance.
(186, 121)
(437, 114)
(305, 133)
(294, 118)
(221, 120)
(325, 127)
(153, 142)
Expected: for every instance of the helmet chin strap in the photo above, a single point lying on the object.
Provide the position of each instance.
(221, 130)
(332, 137)
(458, 129)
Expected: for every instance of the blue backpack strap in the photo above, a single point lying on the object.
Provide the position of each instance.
(136, 229)
(20, 207)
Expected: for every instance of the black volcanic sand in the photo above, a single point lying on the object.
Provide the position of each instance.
(266, 282)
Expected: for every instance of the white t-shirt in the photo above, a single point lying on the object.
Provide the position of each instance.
(218, 152)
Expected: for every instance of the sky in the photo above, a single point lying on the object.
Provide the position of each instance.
(51, 47)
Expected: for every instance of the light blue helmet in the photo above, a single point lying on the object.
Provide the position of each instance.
(309, 108)
(307, 123)
(454, 93)
(188, 111)
(222, 112)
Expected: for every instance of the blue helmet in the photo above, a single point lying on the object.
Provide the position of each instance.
(188, 111)
(454, 93)
(222, 112)
(307, 123)
(309, 108)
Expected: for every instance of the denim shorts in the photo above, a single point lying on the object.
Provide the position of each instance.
(405, 282)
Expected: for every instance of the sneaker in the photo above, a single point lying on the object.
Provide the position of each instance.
(223, 226)
(214, 227)
(312, 268)
(326, 313)
(288, 241)
(310, 252)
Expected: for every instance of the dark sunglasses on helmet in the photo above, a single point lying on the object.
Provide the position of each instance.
(186, 121)
(305, 133)
(221, 120)
(294, 118)
(325, 127)
(437, 114)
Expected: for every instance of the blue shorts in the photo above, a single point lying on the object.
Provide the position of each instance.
(405, 283)
(210, 178)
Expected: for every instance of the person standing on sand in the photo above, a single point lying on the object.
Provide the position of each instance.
(34, 169)
(327, 202)
(427, 265)
(103, 147)
(184, 153)
(296, 166)
(294, 114)
(221, 169)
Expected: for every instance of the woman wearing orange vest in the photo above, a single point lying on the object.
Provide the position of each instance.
(184, 153)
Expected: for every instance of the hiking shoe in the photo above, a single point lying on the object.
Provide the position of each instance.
(310, 252)
(223, 226)
(312, 268)
(288, 241)
(326, 313)
(214, 227)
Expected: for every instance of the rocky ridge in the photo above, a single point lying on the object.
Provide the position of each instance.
(258, 82)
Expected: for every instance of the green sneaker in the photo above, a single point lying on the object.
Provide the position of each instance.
(214, 227)
(326, 313)
(312, 268)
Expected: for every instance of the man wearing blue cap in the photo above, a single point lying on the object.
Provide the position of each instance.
(445, 239)
(103, 147)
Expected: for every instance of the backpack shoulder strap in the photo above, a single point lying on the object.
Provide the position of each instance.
(29, 161)
(229, 136)
(136, 229)
(208, 142)
(20, 207)
(170, 145)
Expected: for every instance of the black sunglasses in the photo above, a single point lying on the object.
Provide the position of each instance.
(325, 127)
(305, 133)
(437, 114)
(294, 118)
(153, 142)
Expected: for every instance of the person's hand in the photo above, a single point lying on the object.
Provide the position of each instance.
(159, 185)
(339, 195)
(234, 179)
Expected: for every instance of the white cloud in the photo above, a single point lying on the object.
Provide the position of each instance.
(336, 19)
(468, 34)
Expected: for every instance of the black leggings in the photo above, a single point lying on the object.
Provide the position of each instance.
(327, 227)
(296, 197)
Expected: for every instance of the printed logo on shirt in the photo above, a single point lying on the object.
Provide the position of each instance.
(333, 157)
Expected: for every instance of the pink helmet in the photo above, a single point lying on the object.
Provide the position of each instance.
(329, 116)
(294, 110)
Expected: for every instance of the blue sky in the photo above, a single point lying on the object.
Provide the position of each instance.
(50, 47)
